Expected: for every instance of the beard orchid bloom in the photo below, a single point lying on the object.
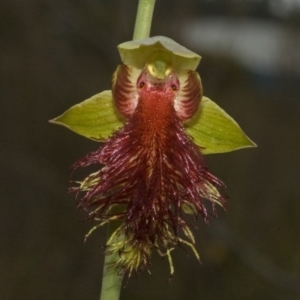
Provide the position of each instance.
(154, 125)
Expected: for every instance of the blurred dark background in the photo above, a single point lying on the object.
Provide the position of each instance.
(56, 53)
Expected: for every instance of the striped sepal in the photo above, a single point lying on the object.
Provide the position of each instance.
(189, 96)
(124, 89)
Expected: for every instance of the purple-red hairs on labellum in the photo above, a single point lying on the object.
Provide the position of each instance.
(151, 172)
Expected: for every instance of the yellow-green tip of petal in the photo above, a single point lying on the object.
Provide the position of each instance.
(95, 118)
(215, 131)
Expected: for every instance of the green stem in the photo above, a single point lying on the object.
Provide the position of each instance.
(143, 19)
(111, 281)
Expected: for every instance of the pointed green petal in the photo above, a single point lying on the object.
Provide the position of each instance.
(95, 118)
(214, 130)
(138, 53)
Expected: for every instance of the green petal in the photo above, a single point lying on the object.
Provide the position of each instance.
(95, 118)
(215, 131)
(139, 52)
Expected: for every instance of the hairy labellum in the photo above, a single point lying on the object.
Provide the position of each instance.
(152, 171)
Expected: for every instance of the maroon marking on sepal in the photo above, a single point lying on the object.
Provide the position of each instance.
(189, 98)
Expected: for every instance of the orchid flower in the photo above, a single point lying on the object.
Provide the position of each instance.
(154, 126)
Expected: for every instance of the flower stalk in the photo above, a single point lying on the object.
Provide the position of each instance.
(143, 19)
(111, 280)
